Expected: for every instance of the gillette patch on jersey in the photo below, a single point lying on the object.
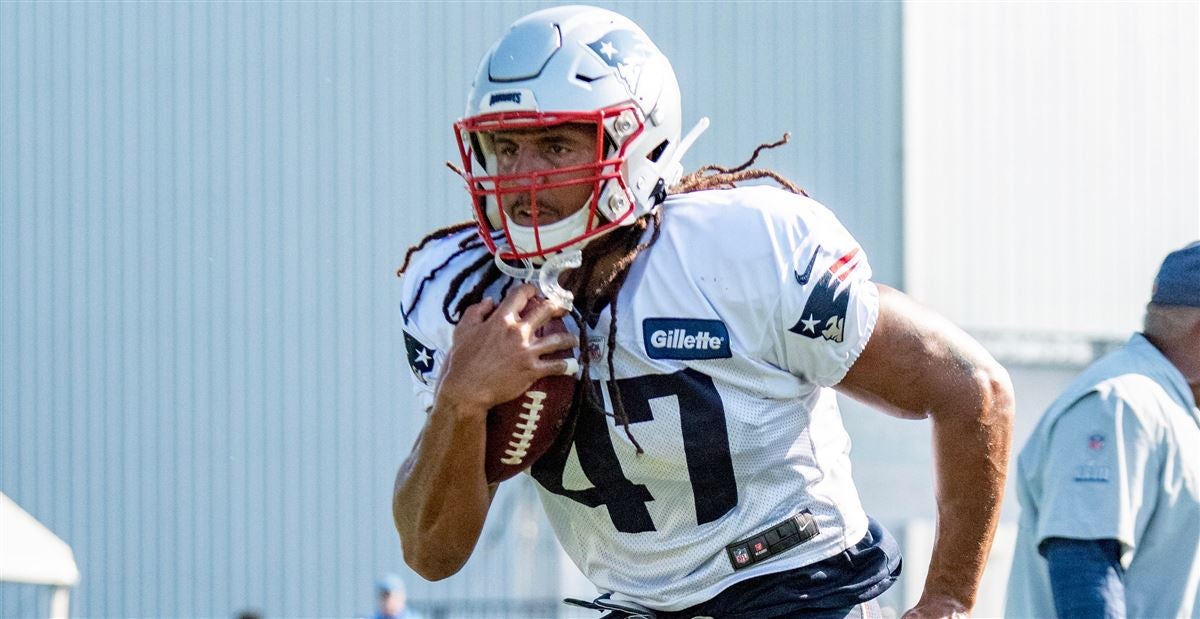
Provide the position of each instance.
(766, 544)
(685, 338)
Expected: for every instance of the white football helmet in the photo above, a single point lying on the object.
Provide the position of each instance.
(573, 64)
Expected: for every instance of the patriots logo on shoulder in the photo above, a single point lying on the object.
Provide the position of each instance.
(824, 314)
(420, 357)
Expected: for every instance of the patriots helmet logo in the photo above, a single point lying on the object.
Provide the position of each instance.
(624, 50)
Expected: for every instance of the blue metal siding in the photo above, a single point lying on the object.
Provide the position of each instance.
(1053, 152)
(202, 380)
(828, 73)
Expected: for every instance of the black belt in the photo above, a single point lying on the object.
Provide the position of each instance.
(774, 540)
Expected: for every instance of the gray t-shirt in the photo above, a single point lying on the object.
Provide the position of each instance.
(1116, 456)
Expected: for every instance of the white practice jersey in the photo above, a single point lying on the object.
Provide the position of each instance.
(731, 328)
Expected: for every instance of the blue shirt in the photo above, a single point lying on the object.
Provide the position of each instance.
(1117, 456)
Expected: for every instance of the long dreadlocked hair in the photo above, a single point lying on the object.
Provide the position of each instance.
(593, 290)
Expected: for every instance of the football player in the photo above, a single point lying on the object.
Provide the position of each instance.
(705, 470)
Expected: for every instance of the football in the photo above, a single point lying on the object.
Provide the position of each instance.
(521, 430)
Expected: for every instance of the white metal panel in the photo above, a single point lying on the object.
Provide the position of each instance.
(1052, 154)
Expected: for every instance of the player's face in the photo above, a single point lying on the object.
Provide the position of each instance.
(545, 149)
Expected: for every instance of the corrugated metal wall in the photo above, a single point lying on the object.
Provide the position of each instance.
(202, 385)
(1052, 158)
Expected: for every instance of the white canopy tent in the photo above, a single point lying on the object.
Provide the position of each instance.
(31, 553)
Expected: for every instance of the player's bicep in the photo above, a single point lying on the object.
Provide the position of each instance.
(916, 362)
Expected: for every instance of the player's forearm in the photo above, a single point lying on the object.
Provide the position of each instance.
(971, 445)
(441, 498)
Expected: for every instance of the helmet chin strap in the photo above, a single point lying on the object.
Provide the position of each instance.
(546, 275)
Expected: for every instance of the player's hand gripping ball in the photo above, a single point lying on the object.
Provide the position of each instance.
(521, 430)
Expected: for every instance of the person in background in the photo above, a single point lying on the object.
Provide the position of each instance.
(393, 599)
(1109, 482)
